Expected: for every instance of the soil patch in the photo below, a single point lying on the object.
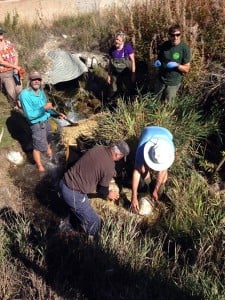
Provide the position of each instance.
(10, 194)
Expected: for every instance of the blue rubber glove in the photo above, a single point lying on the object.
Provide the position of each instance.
(172, 64)
(157, 63)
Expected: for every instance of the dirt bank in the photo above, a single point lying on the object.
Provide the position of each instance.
(47, 10)
(37, 10)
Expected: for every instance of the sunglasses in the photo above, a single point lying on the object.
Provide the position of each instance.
(36, 79)
(175, 34)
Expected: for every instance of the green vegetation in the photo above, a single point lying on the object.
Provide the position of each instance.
(7, 139)
(182, 255)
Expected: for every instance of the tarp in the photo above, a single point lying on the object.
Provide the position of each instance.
(65, 66)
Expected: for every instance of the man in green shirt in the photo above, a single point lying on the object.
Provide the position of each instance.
(173, 62)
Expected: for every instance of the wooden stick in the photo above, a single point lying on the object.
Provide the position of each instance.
(220, 164)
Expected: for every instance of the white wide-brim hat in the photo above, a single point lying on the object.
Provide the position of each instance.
(159, 153)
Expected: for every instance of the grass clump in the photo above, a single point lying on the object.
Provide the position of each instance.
(183, 117)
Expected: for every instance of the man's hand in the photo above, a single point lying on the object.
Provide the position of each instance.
(134, 205)
(48, 106)
(61, 116)
(113, 195)
(15, 67)
(172, 64)
(21, 73)
(155, 195)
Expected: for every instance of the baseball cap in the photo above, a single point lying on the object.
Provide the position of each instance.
(34, 75)
(123, 147)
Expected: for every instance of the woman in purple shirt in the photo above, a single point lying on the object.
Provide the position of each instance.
(122, 67)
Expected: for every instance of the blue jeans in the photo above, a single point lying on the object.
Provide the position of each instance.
(82, 209)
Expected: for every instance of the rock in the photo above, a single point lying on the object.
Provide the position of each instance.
(146, 206)
(15, 157)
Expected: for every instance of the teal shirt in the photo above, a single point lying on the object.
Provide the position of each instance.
(33, 105)
(180, 54)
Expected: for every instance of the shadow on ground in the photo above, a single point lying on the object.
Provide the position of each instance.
(70, 264)
(78, 268)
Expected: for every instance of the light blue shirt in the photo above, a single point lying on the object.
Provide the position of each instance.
(33, 105)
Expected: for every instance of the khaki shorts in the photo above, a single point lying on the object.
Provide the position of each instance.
(11, 89)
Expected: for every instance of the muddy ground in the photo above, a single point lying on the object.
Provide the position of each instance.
(10, 194)
(22, 188)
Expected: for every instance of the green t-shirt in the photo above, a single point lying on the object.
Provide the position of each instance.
(180, 54)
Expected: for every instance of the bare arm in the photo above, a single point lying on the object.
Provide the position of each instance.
(161, 178)
(109, 72)
(9, 65)
(135, 182)
(184, 68)
(113, 195)
(133, 64)
(48, 106)
(133, 67)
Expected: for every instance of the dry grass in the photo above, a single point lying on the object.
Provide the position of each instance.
(43, 11)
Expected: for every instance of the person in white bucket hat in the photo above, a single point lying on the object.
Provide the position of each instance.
(155, 152)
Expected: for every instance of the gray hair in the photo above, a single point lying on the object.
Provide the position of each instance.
(122, 35)
(116, 150)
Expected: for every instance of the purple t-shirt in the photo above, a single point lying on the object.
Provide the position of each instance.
(123, 53)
